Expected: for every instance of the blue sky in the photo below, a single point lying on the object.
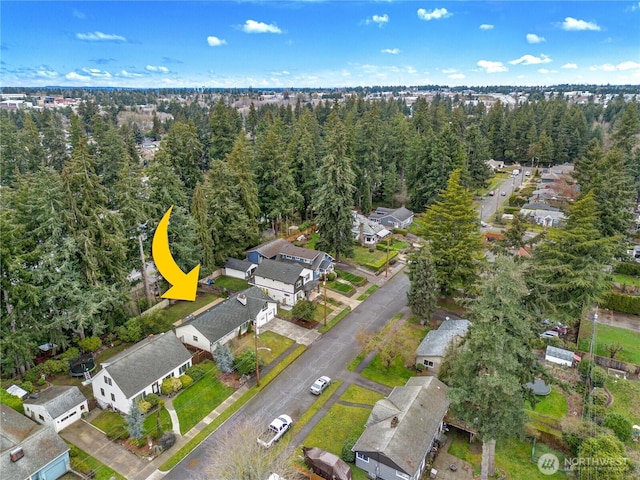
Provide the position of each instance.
(318, 43)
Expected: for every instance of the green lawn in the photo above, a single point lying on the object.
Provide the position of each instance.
(270, 343)
(625, 398)
(108, 421)
(627, 280)
(181, 309)
(357, 394)
(350, 277)
(394, 376)
(231, 283)
(513, 457)
(195, 402)
(340, 287)
(548, 412)
(150, 422)
(372, 260)
(606, 334)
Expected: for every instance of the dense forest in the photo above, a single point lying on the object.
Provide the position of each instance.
(78, 196)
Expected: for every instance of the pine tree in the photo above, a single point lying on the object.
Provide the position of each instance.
(423, 291)
(450, 226)
(134, 421)
(224, 358)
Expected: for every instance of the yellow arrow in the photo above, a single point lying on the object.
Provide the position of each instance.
(184, 284)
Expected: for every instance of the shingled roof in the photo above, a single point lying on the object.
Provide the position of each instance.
(224, 317)
(286, 272)
(146, 361)
(58, 399)
(437, 341)
(40, 444)
(418, 409)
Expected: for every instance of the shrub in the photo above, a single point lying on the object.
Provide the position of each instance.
(167, 440)
(144, 406)
(142, 441)
(245, 363)
(170, 385)
(195, 371)
(55, 367)
(599, 396)
(11, 401)
(620, 425)
(185, 380)
(304, 310)
(90, 344)
(70, 354)
(348, 455)
(131, 331)
(585, 367)
(224, 358)
(73, 450)
(575, 431)
(153, 399)
(27, 386)
(598, 376)
(80, 466)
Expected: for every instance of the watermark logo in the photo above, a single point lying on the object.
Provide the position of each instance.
(548, 464)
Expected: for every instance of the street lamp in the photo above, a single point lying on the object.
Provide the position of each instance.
(324, 284)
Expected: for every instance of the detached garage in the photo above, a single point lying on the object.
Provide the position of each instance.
(560, 356)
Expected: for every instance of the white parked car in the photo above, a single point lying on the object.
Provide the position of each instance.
(320, 385)
(549, 334)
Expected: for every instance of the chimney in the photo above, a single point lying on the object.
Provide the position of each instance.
(16, 454)
(394, 422)
(242, 299)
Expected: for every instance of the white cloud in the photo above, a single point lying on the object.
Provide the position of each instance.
(215, 41)
(543, 70)
(380, 20)
(530, 60)
(126, 74)
(492, 67)
(100, 37)
(279, 74)
(533, 38)
(46, 72)
(95, 72)
(447, 71)
(457, 76)
(435, 14)
(635, 7)
(486, 26)
(78, 14)
(570, 66)
(574, 24)
(392, 51)
(74, 76)
(157, 68)
(628, 65)
(251, 26)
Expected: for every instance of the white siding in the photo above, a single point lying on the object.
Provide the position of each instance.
(557, 360)
(191, 336)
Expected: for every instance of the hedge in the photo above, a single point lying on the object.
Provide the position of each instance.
(622, 303)
(628, 268)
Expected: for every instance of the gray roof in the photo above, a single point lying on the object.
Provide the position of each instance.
(369, 227)
(146, 361)
(225, 317)
(419, 407)
(58, 399)
(286, 272)
(271, 248)
(240, 265)
(401, 213)
(559, 353)
(436, 342)
(539, 206)
(40, 443)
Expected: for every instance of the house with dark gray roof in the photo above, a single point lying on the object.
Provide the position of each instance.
(392, 217)
(58, 406)
(30, 451)
(286, 282)
(227, 320)
(366, 231)
(242, 269)
(320, 263)
(139, 371)
(433, 347)
(402, 430)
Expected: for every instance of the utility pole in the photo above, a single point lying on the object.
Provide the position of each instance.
(386, 272)
(324, 283)
(257, 359)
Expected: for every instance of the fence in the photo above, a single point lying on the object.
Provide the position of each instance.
(606, 362)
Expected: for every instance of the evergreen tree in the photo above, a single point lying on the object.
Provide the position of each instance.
(134, 421)
(200, 213)
(239, 161)
(224, 126)
(488, 379)
(422, 296)
(181, 148)
(450, 226)
(224, 358)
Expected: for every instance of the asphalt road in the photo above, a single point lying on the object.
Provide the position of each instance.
(289, 392)
(489, 205)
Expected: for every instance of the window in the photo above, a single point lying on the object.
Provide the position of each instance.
(428, 363)
(107, 380)
(113, 397)
(102, 392)
(362, 457)
(402, 475)
(81, 407)
(195, 338)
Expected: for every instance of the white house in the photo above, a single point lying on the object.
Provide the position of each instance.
(284, 282)
(433, 347)
(560, 356)
(402, 430)
(58, 406)
(227, 320)
(242, 269)
(366, 231)
(139, 371)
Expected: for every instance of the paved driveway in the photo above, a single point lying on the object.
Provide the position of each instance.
(88, 438)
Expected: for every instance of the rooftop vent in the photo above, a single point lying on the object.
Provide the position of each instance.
(242, 299)
(16, 454)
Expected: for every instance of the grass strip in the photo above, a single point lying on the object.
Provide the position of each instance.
(228, 412)
(334, 320)
(315, 408)
(84, 463)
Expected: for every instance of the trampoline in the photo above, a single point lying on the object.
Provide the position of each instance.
(84, 363)
(539, 387)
